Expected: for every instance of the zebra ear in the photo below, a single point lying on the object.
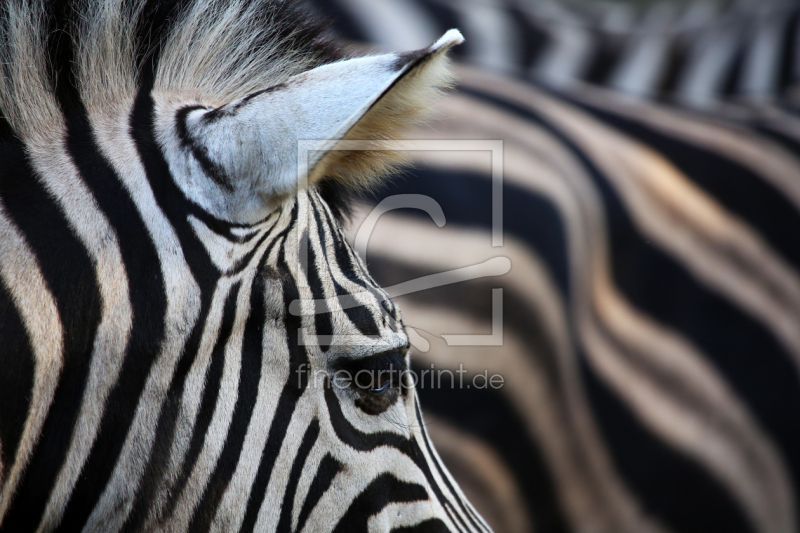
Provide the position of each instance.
(261, 143)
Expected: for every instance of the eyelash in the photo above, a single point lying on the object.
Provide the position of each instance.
(380, 390)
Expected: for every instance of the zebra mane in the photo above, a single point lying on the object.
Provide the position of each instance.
(73, 53)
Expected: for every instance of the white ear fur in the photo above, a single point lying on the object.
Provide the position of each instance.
(254, 141)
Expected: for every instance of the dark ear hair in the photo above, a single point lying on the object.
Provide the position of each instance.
(339, 198)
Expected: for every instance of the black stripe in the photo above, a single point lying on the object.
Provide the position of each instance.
(16, 354)
(309, 439)
(677, 55)
(232, 109)
(211, 168)
(384, 490)
(328, 469)
(155, 24)
(8, 139)
(732, 78)
(533, 38)
(322, 316)
(434, 525)
(787, 77)
(605, 56)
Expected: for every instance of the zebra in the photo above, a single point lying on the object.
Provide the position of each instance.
(176, 291)
(650, 338)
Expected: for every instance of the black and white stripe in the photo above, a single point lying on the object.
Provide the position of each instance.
(154, 376)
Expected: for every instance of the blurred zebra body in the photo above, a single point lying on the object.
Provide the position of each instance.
(651, 340)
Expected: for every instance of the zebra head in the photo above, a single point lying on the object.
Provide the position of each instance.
(189, 342)
(336, 422)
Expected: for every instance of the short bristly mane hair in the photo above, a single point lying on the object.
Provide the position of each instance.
(211, 50)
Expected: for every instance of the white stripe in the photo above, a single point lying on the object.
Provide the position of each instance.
(762, 61)
(494, 41)
(709, 61)
(643, 63)
(22, 278)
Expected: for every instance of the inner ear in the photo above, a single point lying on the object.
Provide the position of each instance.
(273, 142)
(406, 102)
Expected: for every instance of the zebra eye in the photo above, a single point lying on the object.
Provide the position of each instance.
(375, 380)
(378, 397)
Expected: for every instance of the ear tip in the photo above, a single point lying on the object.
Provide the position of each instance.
(451, 37)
